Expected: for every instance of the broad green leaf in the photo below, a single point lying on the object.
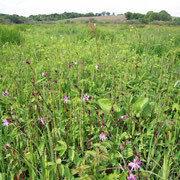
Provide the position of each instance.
(71, 154)
(62, 148)
(113, 176)
(67, 172)
(61, 169)
(92, 153)
(107, 105)
(41, 148)
(140, 104)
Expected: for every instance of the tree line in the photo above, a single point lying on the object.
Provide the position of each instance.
(142, 18)
(149, 16)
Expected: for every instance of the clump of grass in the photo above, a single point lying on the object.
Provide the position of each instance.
(11, 34)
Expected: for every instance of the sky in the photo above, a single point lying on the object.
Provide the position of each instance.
(35, 7)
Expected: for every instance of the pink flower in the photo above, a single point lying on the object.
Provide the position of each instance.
(5, 122)
(102, 125)
(102, 136)
(96, 66)
(27, 61)
(132, 177)
(85, 97)
(5, 93)
(42, 121)
(73, 63)
(135, 165)
(44, 74)
(7, 146)
(65, 99)
(124, 116)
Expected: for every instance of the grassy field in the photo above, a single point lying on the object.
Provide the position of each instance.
(89, 102)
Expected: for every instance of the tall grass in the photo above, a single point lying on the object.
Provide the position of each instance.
(11, 34)
(128, 72)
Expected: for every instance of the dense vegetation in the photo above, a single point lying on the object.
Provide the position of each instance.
(89, 102)
(151, 17)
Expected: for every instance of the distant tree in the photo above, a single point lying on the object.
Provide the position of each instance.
(113, 14)
(137, 16)
(90, 14)
(16, 19)
(103, 13)
(108, 13)
(164, 16)
(129, 15)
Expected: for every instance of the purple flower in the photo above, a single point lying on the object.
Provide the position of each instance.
(65, 99)
(5, 122)
(132, 177)
(73, 63)
(85, 97)
(124, 116)
(5, 93)
(27, 61)
(102, 136)
(44, 74)
(96, 66)
(135, 165)
(102, 125)
(7, 146)
(42, 121)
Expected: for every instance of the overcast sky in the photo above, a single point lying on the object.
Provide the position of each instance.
(34, 7)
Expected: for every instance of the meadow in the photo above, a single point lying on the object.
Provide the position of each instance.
(89, 102)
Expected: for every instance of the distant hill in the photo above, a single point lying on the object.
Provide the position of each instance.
(99, 18)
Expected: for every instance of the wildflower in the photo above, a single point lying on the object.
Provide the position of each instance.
(132, 177)
(76, 86)
(65, 99)
(121, 147)
(134, 152)
(1, 75)
(5, 122)
(96, 66)
(124, 116)
(27, 61)
(85, 97)
(102, 125)
(7, 146)
(42, 121)
(102, 136)
(44, 74)
(73, 116)
(135, 165)
(55, 81)
(170, 123)
(73, 63)
(5, 93)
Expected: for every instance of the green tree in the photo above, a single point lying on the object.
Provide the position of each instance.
(164, 16)
(129, 15)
